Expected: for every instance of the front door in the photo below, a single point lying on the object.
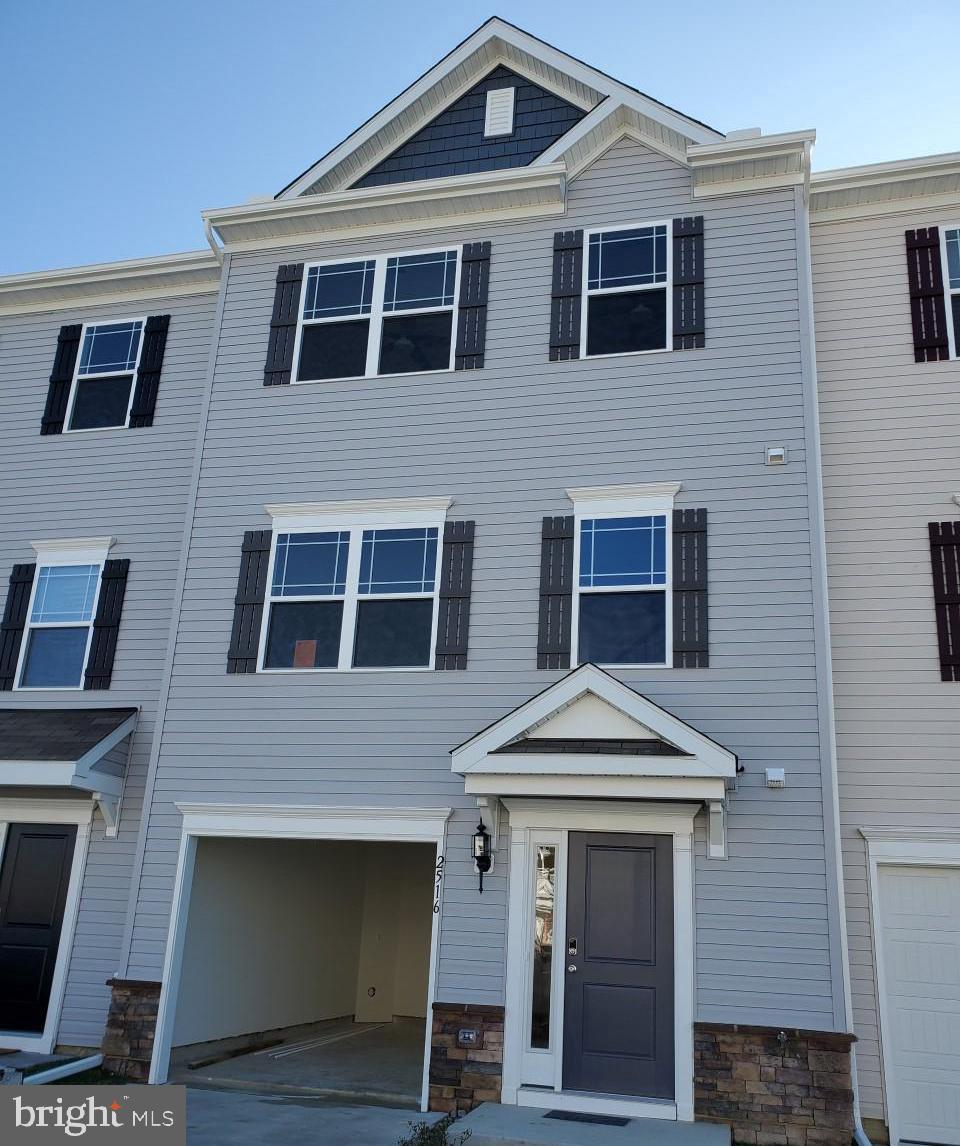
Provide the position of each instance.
(618, 1001)
(33, 891)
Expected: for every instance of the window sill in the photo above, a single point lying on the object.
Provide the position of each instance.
(342, 672)
(98, 429)
(364, 377)
(626, 353)
(615, 667)
(48, 688)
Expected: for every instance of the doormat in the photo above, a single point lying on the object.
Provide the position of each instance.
(596, 1119)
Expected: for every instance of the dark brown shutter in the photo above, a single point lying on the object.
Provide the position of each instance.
(106, 624)
(148, 374)
(567, 291)
(283, 325)
(456, 579)
(248, 603)
(688, 321)
(472, 319)
(945, 558)
(14, 621)
(927, 308)
(58, 393)
(556, 593)
(691, 645)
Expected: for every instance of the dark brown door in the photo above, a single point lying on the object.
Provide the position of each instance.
(33, 891)
(618, 1001)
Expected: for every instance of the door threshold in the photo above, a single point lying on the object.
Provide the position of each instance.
(585, 1102)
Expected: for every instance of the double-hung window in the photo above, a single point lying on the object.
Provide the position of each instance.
(393, 314)
(622, 611)
(345, 596)
(60, 616)
(951, 242)
(626, 289)
(102, 390)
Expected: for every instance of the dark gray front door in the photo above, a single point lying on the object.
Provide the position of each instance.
(618, 1001)
(33, 892)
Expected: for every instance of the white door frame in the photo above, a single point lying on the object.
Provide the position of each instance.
(898, 847)
(278, 821)
(534, 821)
(42, 811)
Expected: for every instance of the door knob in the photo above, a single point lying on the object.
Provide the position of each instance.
(571, 967)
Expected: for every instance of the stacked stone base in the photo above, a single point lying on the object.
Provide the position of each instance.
(131, 1024)
(774, 1088)
(463, 1073)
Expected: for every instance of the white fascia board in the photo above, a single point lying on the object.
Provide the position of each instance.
(37, 773)
(842, 178)
(314, 822)
(593, 764)
(109, 742)
(698, 788)
(756, 147)
(190, 272)
(423, 204)
(473, 755)
(367, 511)
(90, 550)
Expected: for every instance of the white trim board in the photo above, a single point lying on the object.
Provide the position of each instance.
(53, 811)
(286, 821)
(537, 821)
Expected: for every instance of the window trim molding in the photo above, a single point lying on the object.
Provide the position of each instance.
(75, 381)
(587, 294)
(651, 499)
(949, 292)
(397, 513)
(376, 315)
(69, 551)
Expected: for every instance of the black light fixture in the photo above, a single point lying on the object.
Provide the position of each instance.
(481, 852)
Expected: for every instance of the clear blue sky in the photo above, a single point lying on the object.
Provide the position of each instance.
(122, 119)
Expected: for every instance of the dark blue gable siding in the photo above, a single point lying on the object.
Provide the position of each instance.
(454, 144)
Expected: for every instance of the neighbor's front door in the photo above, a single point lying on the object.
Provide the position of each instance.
(33, 891)
(618, 1003)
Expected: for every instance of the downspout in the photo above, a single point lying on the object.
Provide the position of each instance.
(821, 610)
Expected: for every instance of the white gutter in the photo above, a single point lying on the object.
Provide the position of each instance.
(64, 1070)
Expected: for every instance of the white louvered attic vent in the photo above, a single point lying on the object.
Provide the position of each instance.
(499, 120)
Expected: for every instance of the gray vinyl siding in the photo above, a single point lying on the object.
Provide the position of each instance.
(891, 464)
(131, 485)
(505, 443)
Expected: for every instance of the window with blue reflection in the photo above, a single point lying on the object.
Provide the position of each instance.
(636, 257)
(111, 348)
(620, 551)
(953, 259)
(55, 658)
(65, 593)
(419, 282)
(398, 560)
(339, 290)
(311, 564)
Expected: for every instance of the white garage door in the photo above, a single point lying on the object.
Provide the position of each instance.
(920, 937)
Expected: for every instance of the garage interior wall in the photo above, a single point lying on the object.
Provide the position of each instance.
(284, 932)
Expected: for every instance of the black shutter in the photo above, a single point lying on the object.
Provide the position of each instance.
(688, 321)
(14, 620)
(58, 394)
(556, 593)
(927, 308)
(456, 578)
(106, 624)
(248, 603)
(148, 374)
(283, 325)
(691, 645)
(945, 558)
(567, 290)
(472, 320)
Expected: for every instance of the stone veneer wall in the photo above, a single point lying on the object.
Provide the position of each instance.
(774, 1088)
(462, 1075)
(131, 1024)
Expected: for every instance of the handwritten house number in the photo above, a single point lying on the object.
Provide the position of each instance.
(438, 879)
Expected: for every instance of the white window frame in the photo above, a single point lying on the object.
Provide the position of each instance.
(50, 554)
(953, 335)
(655, 499)
(587, 293)
(355, 518)
(377, 314)
(78, 378)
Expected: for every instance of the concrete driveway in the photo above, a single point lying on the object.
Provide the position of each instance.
(235, 1118)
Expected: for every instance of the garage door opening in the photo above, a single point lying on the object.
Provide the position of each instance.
(306, 967)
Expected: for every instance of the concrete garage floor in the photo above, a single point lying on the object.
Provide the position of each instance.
(338, 1059)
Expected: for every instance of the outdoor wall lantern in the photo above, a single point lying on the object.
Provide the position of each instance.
(482, 855)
